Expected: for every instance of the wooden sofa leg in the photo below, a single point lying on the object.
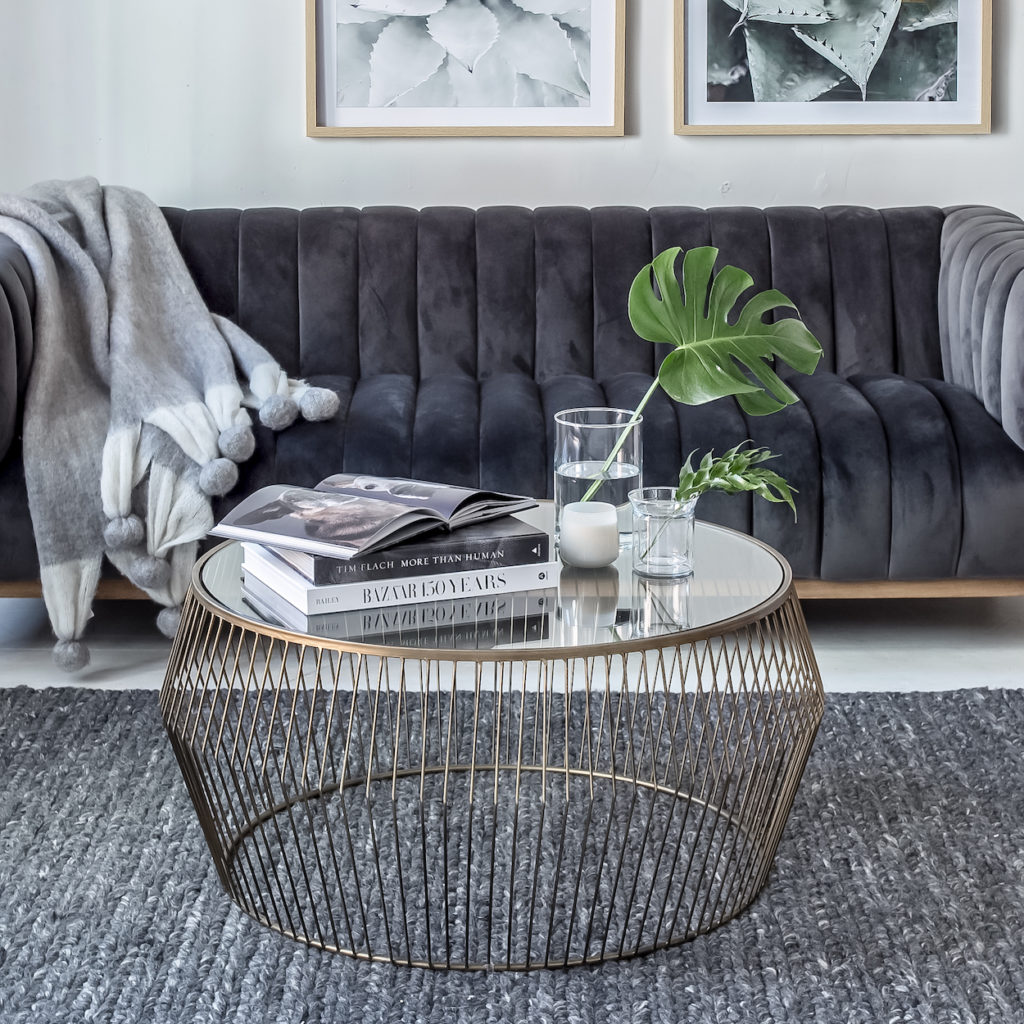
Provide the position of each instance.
(821, 589)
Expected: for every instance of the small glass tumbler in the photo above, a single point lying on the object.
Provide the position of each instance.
(662, 532)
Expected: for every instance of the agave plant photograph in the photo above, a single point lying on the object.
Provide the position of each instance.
(807, 50)
(471, 58)
(884, 60)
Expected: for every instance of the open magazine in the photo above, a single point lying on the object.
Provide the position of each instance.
(348, 514)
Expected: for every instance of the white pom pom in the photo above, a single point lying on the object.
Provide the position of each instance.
(237, 443)
(70, 655)
(318, 404)
(278, 412)
(218, 477)
(168, 620)
(149, 572)
(123, 532)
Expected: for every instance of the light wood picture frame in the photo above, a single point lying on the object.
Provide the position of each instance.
(464, 67)
(755, 67)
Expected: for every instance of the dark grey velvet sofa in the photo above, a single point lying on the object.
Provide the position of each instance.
(452, 337)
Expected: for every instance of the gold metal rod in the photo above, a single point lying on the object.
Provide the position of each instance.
(394, 723)
(515, 821)
(618, 872)
(275, 822)
(445, 837)
(424, 700)
(579, 879)
(553, 902)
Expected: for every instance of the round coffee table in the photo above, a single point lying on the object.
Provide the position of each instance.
(556, 778)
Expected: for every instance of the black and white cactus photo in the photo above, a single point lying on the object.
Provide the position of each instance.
(463, 53)
(769, 51)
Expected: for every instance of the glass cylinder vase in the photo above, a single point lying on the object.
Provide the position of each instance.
(598, 457)
(662, 532)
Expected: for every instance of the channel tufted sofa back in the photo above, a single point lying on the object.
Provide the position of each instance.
(480, 293)
(452, 337)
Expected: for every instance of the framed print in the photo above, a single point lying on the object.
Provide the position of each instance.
(761, 67)
(464, 67)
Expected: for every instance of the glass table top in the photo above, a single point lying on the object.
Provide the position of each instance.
(733, 576)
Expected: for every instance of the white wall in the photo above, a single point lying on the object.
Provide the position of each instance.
(201, 103)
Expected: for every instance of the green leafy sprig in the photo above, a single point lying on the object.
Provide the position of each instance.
(739, 469)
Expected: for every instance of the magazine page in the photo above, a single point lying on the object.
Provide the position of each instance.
(323, 522)
(456, 505)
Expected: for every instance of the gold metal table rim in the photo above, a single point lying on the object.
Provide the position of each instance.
(537, 651)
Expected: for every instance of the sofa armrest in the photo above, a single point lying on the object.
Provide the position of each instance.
(17, 299)
(981, 310)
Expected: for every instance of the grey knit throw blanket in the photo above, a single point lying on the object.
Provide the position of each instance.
(136, 406)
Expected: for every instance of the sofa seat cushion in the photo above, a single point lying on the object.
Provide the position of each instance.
(896, 478)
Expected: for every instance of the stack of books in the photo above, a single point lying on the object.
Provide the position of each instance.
(397, 562)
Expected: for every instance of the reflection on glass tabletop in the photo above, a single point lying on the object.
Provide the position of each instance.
(733, 575)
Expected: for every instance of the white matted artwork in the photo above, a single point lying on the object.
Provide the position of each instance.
(464, 67)
(749, 67)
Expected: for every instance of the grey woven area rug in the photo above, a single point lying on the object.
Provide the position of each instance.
(897, 895)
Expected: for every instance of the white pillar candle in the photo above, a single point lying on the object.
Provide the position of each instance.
(589, 534)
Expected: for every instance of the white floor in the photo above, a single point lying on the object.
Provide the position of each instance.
(860, 645)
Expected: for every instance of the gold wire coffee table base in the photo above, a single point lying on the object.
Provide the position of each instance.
(492, 809)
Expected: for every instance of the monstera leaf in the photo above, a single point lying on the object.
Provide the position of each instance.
(855, 40)
(712, 357)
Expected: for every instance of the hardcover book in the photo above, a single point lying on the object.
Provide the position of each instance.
(490, 545)
(474, 623)
(347, 515)
(310, 599)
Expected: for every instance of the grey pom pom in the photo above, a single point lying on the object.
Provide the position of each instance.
(149, 572)
(70, 655)
(167, 621)
(278, 412)
(318, 404)
(124, 532)
(218, 476)
(236, 443)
